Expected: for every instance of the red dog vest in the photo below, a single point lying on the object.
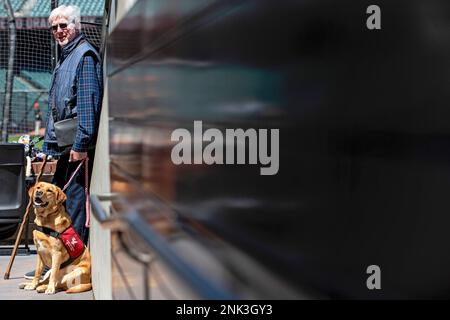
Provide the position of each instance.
(72, 242)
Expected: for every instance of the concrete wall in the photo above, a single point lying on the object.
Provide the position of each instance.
(100, 239)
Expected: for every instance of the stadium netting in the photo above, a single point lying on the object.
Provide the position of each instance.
(33, 57)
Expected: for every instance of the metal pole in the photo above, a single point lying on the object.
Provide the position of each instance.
(105, 27)
(55, 47)
(10, 70)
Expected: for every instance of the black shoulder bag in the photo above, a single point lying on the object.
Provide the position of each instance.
(65, 130)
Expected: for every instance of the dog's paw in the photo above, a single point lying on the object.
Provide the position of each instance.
(50, 290)
(41, 289)
(22, 285)
(30, 286)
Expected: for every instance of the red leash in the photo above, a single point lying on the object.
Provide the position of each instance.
(86, 191)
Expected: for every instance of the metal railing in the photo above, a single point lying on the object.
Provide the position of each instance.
(133, 221)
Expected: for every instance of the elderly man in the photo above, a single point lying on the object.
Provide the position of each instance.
(77, 83)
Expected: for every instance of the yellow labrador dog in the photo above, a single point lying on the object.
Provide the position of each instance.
(57, 244)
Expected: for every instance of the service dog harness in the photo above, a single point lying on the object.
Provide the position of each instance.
(69, 237)
(71, 240)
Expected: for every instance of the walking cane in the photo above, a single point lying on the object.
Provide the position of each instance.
(24, 221)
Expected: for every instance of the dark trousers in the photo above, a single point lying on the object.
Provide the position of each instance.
(75, 193)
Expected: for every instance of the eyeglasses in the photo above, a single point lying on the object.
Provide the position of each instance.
(61, 25)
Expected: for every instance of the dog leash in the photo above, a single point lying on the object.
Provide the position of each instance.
(86, 191)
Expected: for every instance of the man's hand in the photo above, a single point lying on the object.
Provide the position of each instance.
(77, 156)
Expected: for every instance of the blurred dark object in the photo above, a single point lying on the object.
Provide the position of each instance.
(12, 188)
(364, 137)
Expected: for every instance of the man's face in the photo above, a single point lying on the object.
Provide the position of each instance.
(61, 31)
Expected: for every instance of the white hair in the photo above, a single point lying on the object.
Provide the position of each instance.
(71, 13)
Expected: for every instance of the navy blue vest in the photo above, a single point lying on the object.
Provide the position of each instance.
(63, 89)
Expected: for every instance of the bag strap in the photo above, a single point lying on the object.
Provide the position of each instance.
(54, 110)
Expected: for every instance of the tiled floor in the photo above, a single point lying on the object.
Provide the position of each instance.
(9, 289)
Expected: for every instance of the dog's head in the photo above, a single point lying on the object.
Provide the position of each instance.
(47, 198)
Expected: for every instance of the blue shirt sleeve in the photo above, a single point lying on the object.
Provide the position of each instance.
(89, 95)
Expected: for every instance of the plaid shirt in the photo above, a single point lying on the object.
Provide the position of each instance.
(89, 96)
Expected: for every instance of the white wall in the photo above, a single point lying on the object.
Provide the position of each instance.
(100, 239)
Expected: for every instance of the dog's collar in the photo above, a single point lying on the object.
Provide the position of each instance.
(49, 232)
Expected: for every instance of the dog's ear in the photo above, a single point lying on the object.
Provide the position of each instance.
(60, 196)
(30, 191)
